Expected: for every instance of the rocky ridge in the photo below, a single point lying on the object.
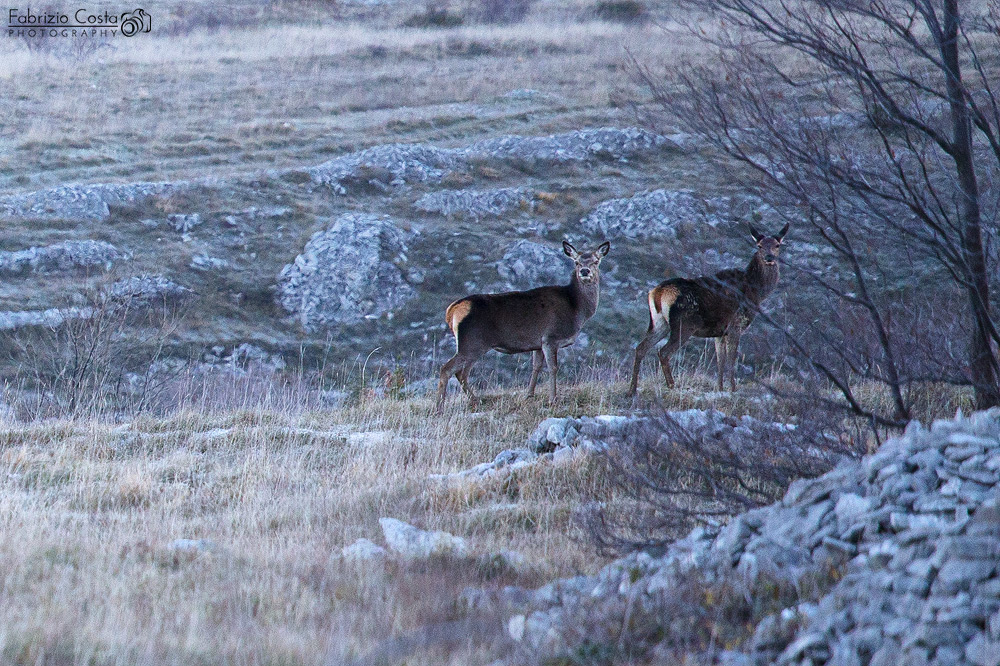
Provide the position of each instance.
(82, 202)
(901, 550)
(398, 164)
(65, 256)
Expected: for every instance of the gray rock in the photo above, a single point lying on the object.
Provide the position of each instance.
(184, 223)
(351, 272)
(476, 203)
(363, 550)
(65, 256)
(981, 651)
(413, 543)
(526, 264)
(397, 164)
(82, 202)
(656, 214)
(145, 291)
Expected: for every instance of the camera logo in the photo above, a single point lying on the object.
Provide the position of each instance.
(134, 22)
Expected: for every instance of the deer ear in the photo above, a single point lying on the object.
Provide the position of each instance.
(604, 248)
(781, 234)
(570, 250)
(757, 236)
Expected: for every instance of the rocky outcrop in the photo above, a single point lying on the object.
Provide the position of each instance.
(476, 203)
(351, 272)
(656, 214)
(58, 257)
(526, 264)
(398, 164)
(144, 291)
(893, 559)
(90, 203)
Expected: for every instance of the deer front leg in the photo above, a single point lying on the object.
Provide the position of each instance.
(551, 351)
(721, 359)
(537, 361)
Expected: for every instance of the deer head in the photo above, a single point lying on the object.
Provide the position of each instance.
(768, 247)
(587, 263)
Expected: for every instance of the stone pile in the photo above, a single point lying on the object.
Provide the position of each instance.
(81, 202)
(351, 272)
(65, 256)
(907, 539)
(476, 203)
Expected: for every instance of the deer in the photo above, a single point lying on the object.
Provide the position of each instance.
(539, 321)
(720, 306)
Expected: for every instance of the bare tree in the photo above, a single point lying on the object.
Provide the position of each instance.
(877, 123)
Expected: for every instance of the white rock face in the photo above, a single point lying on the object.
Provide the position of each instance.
(415, 544)
(350, 272)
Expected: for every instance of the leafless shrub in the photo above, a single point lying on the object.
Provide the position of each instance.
(98, 362)
(672, 478)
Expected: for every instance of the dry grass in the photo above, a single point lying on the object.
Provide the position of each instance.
(89, 511)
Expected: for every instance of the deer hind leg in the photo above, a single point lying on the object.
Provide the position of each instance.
(537, 361)
(657, 331)
(721, 359)
(550, 349)
(678, 336)
(459, 365)
(733, 345)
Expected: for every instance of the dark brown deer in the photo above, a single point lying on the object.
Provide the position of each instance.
(539, 321)
(719, 306)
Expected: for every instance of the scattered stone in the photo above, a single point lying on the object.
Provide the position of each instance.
(184, 223)
(476, 203)
(351, 272)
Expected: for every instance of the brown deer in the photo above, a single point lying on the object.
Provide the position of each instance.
(539, 321)
(719, 306)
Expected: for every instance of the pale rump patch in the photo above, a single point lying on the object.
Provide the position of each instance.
(455, 313)
(660, 300)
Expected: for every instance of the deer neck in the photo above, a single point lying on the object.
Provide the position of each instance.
(585, 294)
(760, 279)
